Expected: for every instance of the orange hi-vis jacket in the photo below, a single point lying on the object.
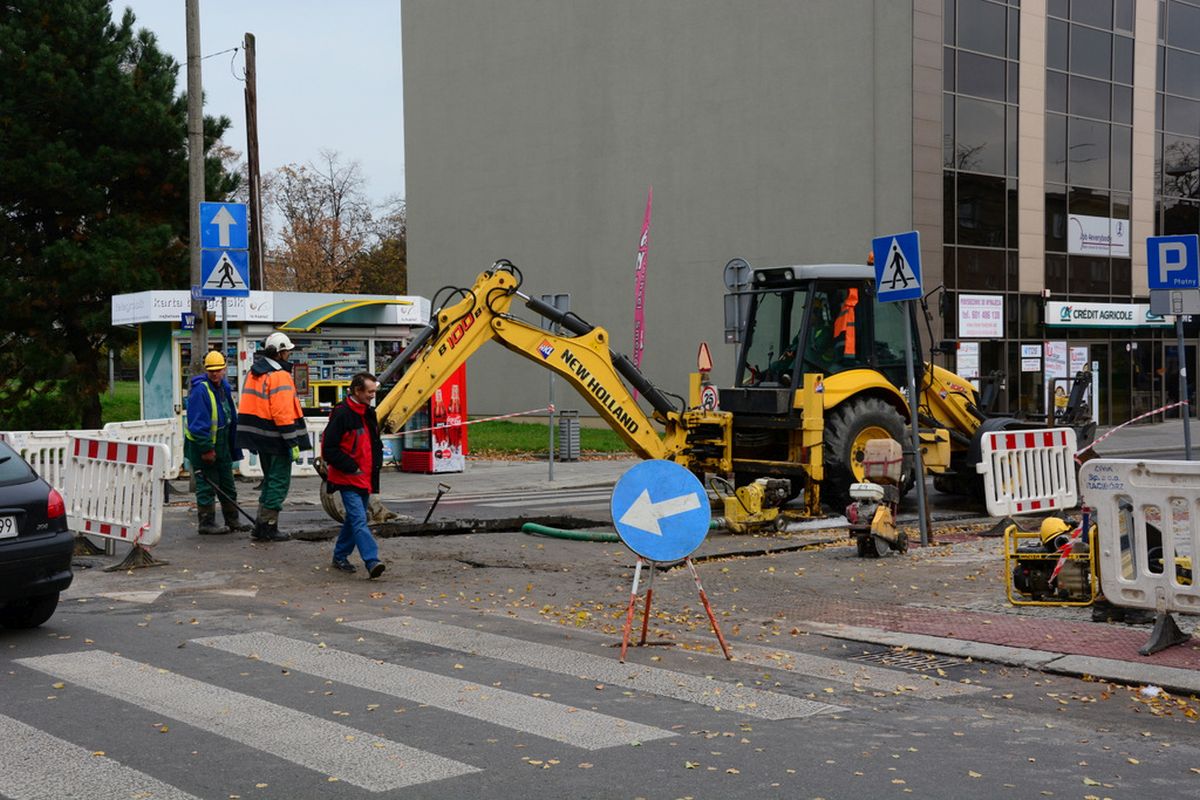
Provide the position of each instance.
(844, 324)
(269, 416)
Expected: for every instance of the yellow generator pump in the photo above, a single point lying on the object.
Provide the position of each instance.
(755, 506)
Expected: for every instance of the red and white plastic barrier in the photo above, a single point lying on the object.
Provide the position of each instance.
(168, 431)
(1029, 471)
(114, 488)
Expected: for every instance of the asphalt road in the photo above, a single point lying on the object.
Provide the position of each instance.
(487, 664)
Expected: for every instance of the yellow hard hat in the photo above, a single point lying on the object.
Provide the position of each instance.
(1052, 528)
(214, 361)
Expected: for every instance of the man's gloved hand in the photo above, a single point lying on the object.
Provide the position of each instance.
(210, 457)
(296, 454)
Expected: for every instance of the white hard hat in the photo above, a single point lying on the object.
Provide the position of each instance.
(279, 341)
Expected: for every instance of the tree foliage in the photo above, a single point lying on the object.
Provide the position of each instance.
(326, 222)
(383, 267)
(93, 198)
(331, 238)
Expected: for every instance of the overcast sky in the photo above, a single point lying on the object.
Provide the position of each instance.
(328, 77)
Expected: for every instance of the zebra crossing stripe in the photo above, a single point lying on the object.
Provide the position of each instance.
(37, 766)
(654, 680)
(362, 759)
(585, 729)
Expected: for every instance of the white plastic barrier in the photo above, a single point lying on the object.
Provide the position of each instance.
(250, 467)
(168, 431)
(114, 489)
(1028, 471)
(1148, 513)
(46, 451)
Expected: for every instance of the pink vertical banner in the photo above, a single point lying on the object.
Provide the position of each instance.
(639, 287)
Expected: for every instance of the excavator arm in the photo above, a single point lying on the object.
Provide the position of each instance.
(583, 359)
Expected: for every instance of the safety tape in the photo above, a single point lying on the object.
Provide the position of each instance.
(549, 408)
(1138, 418)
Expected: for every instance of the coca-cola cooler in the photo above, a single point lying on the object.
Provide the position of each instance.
(435, 439)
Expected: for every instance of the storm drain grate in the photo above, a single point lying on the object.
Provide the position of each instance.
(919, 662)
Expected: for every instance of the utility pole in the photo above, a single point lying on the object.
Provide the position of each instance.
(257, 275)
(195, 101)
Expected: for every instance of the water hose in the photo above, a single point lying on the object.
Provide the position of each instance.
(534, 528)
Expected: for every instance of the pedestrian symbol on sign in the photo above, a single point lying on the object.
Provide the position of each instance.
(897, 258)
(898, 269)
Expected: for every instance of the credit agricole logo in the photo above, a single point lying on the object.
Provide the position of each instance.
(1065, 314)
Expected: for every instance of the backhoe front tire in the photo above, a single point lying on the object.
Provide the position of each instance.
(847, 431)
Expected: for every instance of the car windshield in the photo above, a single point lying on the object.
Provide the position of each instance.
(12, 468)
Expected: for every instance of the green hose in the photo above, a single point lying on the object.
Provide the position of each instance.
(587, 536)
(578, 536)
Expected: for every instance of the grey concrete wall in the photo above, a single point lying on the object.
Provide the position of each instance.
(777, 131)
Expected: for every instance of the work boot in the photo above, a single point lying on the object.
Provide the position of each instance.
(208, 521)
(230, 513)
(266, 527)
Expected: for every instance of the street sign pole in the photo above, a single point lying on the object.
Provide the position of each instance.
(225, 326)
(1174, 264)
(897, 259)
(1183, 390)
(913, 404)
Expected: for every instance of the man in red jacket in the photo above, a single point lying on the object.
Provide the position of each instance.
(353, 454)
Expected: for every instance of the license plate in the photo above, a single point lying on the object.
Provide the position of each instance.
(8, 527)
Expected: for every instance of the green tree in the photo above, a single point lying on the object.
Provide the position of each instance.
(93, 198)
(383, 267)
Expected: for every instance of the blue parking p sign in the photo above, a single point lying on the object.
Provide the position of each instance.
(1174, 261)
(897, 266)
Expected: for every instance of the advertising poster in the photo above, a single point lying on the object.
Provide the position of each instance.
(1097, 236)
(967, 364)
(981, 316)
(1056, 367)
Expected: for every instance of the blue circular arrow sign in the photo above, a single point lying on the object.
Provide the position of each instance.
(660, 511)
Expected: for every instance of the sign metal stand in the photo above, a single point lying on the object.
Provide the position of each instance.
(628, 629)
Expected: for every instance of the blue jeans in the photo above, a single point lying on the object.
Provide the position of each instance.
(355, 532)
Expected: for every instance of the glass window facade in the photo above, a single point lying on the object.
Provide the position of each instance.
(1089, 141)
(1177, 134)
(982, 46)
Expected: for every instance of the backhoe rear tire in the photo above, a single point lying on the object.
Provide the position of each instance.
(848, 429)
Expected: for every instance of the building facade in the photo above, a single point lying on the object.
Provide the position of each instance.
(1034, 144)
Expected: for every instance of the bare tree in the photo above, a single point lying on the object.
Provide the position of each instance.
(325, 221)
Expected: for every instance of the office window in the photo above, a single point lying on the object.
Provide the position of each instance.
(1088, 152)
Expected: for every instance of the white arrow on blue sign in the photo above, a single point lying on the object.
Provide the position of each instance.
(223, 226)
(1173, 261)
(897, 266)
(661, 511)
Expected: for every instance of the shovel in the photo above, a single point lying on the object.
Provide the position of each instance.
(233, 502)
(442, 489)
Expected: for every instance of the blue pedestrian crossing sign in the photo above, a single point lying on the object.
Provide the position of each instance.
(224, 273)
(661, 511)
(223, 226)
(897, 266)
(1174, 261)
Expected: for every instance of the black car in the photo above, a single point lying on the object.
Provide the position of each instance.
(35, 544)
